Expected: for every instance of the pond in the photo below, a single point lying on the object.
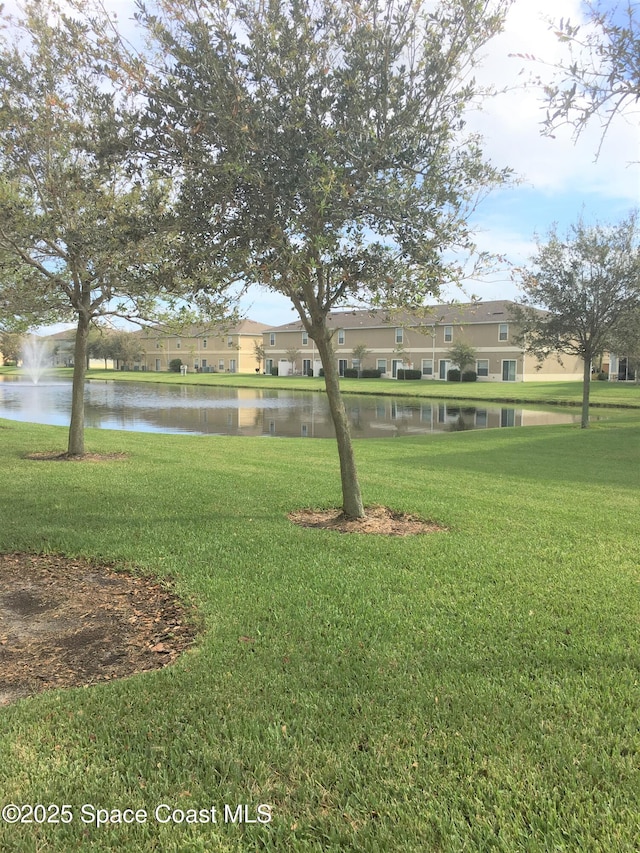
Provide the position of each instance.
(203, 410)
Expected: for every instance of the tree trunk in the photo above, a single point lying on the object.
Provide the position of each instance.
(76, 428)
(351, 496)
(586, 387)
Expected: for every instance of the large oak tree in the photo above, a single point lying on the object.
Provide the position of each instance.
(322, 150)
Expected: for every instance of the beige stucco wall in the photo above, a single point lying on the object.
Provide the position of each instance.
(232, 353)
(426, 344)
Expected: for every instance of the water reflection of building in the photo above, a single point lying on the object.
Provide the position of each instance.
(250, 412)
(254, 412)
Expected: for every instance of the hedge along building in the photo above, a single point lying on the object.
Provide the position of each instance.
(402, 341)
(232, 350)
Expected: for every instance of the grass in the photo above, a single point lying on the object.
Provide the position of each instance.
(475, 690)
(610, 394)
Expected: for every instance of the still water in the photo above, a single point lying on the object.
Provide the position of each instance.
(144, 407)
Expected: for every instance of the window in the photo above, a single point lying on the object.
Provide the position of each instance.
(232, 365)
(229, 341)
(177, 344)
(503, 332)
(448, 334)
(221, 364)
(305, 339)
(482, 367)
(204, 343)
(427, 367)
(399, 336)
(340, 336)
(382, 365)
(272, 339)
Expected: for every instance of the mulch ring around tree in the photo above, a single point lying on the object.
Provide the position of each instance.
(71, 623)
(377, 520)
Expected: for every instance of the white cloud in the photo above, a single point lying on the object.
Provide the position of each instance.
(511, 122)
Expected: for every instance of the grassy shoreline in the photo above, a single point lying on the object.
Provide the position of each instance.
(603, 394)
(471, 690)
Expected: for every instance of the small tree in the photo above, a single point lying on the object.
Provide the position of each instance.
(460, 355)
(86, 227)
(260, 354)
(324, 151)
(11, 344)
(360, 352)
(586, 283)
(293, 354)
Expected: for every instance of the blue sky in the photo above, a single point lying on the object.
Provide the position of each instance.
(560, 179)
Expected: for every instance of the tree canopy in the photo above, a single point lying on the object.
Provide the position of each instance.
(601, 75)
(85, 228)
(322, 150)
(461, 354)
(586, 283)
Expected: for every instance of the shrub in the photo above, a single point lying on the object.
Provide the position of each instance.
(469, 376)
(603, 377)
(175, 364)
(321, 371)
(405, 373)
(350, 373)
(453, 375)
(371, 373)
(274, 371)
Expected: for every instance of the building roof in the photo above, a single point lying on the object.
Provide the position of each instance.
(448, 314)
(243, 327)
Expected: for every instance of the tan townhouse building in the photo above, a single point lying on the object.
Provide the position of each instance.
(204, 350)
(404, 341)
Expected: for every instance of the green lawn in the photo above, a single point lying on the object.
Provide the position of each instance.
(615, 394)
(620, 394)
(474, 690)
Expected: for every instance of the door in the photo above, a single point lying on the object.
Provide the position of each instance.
(396, 364)
(509, 371)
(445, 367)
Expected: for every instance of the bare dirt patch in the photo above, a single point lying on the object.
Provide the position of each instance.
(378, 520)
(68, 623)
